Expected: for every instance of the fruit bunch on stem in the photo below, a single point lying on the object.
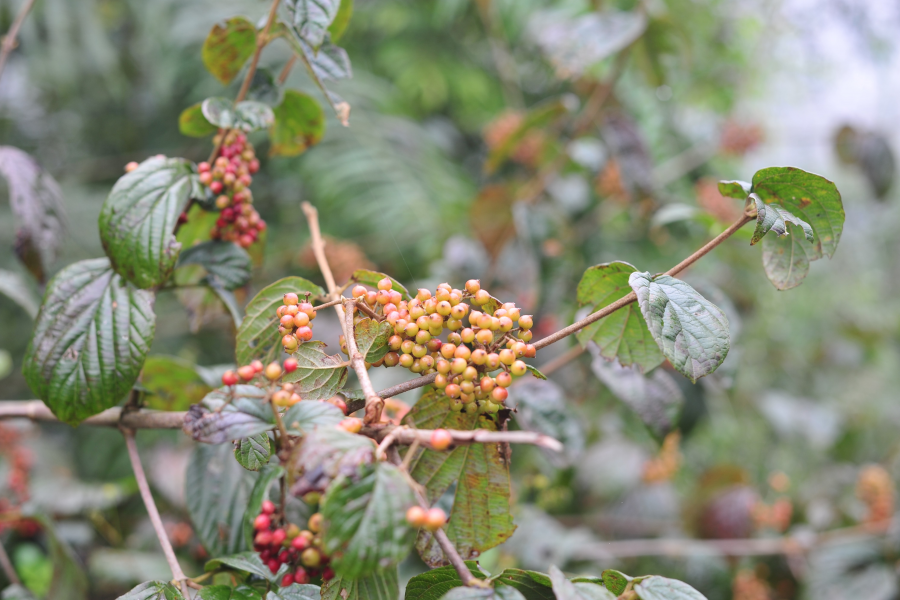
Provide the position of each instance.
(281, 543)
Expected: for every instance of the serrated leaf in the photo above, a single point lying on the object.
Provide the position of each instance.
(325, 454)
(227, 48)
(15, 287)
(247, 116)
(311, 18)
(248, 562)
(139, 215)
(305, 416)
(531, 584)
(655, 398)
(770, 217)
(227, 264)
(615, 581)
(480, 518)
(299, 124)
(380, 586)
(498, 592)
(810, 197)
(623, 335)
(192, 123)
(153, 590)
(253, 452)
(217, 492)
(36, 202)
(735, 189)
(90, 340)
(372, 338)
(691, 331)
(319, 375)
(268, 475)
(568, 590)
(365, 520)
(341, 20)
(296, 591)
(662, 588)
(229, 414)
(434, 583)
(257, 337)
(786, 260)
(371, 278)
(171, 383)
(542, 406)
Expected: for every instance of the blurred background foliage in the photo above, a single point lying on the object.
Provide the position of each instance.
(795, 433)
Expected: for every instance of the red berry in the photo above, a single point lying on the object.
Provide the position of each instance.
(284, 556)
(274, 565)
(287, 580)
(246, 372)
(499, 394)
(301, 576)
(216, 187)
(229, 378)
(278, 537)
(304, 334)
(290, 365)
(262, 522)
(268, 507)
(328, 574)
(299, 543)
(263, 538)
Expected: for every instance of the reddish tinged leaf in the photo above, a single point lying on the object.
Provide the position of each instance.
(227, 48)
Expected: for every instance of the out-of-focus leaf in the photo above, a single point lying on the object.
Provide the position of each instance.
(16, 592)
(217, 420)
(264, 87)
(192, 123)
(540, 116)
(735, 189)
(80, 497)
(247, 116)
(18, 289)
(114, 567)
(365, 520)
(498, 592)
(568, 590)
(305, 416)
(253, 452)
(257, 337)
(230, 301)
(299, 124)
(656, 398)
(341, 20)
(296, 591)
(139, 215)
(312, 18)
(36, 202)
(615, 581)
(691, 331)
(372, 338)
(623, 335)
(371, 278)
(325, 454)
(227, 48)
(90, 340)
(380, 586)
(491, 218)
(227, 264)
(69, 581)
(319, 375)
(662, 588)
(172, 383)
(541, 406)
(480, 518)
(770, 217)
(218, 490)
(330, 62)
(268, 475)
(531, 584)
(248, 562)
(153, 590)
(434, 583)
(786, 259)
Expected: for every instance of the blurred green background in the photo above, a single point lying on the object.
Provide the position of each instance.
(710, 89)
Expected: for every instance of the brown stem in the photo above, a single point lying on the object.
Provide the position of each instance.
(329, 304)
(562, 360)
(631, 297)
(407, 386)
(7, 566)
(318, 247)
(36, 410)
(407, 436)
(371, 313)
(282, 77)
(374, 403)
(152, 511)
(447, 547)
(278, 422)
(9, 40)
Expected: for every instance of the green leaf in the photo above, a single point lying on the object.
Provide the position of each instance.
(480, 518)
(172, 383)
(499, 592)
(219, 111)
(371, 278)
(365, 520)
(330, 62)
(217, 491)
(380, 586)
(810, 197)
(615, 581)
(312, 18)
(268, 475)
(227, 48)
(16, 592)
(227, 264)
(319, 375)
(217, 420)
(299, 124)
(691, 331)
(257, 337)
(305, 416)
(326, 453)
(153, 590)
(296, 591)
(247, 562)
(15, 287)
(531, 584)
(770, 217)
(623, 334)
(192, 123)
(139, 215)
(786, 260)
(69, 581)
(568, 590)
(226, 592)
(735, 189)
(247, 116)
(433, 584)
(535, 373)
(662, 588)
(264, 87)
(341, 20)
(253, 452)
(90, 340)
(372, 338)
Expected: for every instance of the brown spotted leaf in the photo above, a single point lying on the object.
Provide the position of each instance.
(227, 48)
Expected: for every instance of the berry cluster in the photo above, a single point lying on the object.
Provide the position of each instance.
(295, 321)
(18, 478)
(286, 396)
(229, 178)
(495, 340)
(300, 549)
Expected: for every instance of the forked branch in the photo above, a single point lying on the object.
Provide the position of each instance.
(374, 402)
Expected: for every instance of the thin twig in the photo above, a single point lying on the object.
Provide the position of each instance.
(8, 569)
(279, 423)
(329, 304)
(406, 386)
(36, 410)
(152, 511)
(406, 436)
(9, 40)
(282, 77)
(371, 313)
(386, 442)
(318, 248)
(341, 109)
(374, 402)
(562, 360)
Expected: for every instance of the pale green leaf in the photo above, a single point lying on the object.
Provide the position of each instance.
(786, 260)
(662, 588)
(771, 217)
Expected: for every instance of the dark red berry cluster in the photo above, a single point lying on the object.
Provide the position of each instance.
(19, 460)
(295, 321)
(229, 179)
(287, 544)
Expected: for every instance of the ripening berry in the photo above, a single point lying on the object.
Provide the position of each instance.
(261, 522)
(472, 286)
(299, 543)
(525, 335)
(257, 366)
(301, 319)
(441, 439)
(526, 322)
(423, 337)
(308, 308)
(503, 379)
(310, 558)
(263, 538)
(407, 360)
(391, 359)
(518, 368)
(131, 167)
(507, 357)
(287, 580)
(287, 321)
(290, 365)
(434, 345)
(304, 334)
(315, 521)
(291, 310)
(273, 371)
(493, 361)
(499, 394)
(440, 381)
(351, 425)
(518, 349)
(301, 576)
(246, 372)
(487, 383)
(484, 336)
(359, 291)
(462, 352)
(229, 378)
(452, 390)
(435, 518)
(278, 537)
(417, 516)
(289, 342)
(458, 365)
(281, 398)
(385, 284)
(481, 298)
(530, 351)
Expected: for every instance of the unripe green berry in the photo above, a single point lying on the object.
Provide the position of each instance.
(406, 360)
(417, 366)
(406, 347)
(490, 407)
(454, 338)
(471, 408)
(394, 342)
(289, 342)
(467, 387)
(419, 350)
(391, 359)
(423, 337)
(456, 405)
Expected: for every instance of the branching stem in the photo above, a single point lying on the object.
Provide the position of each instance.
(374, 402)
(318, 248)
